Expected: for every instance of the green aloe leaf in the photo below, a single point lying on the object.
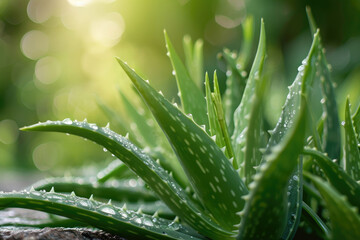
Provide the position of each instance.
(194, 59)
(345, 219)
(268, 197)
(252, 157)
(142, 129)
(216, 98)
(123, 190)
(236, 72)
(104, 216)
(291, 107)
(356, 120)
(119, 123)
(242, 113)
(150, 137)
(338, 178)
(189, 91)
(235, 85)
(209, 171)
(132, 192)
(352, 154)
(331, 136)
(217, 122)
(144, 166)
(214, 126)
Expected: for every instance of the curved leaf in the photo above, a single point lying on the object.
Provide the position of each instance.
(352, 153)
(338, 178)
(242, 113)
(124, 190)
(189, 92)
(209, 171)
(331, 137)
(145, 167)
(268, 197)
(345, 219)
(104, 216)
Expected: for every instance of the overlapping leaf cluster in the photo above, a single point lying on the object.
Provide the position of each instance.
(210, 165)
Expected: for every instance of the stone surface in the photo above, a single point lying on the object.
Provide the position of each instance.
(18, 233)
(12, 218)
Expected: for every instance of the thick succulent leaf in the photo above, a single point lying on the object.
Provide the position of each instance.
(345, 219)
(352, 154)
(356, 120)
(146, 131)
(118, 122)
(268, 198)
(155, 208)
(124, 190)
(142, 129)
(116, 169)
(252, 156)
(214, 126)
(217, 123)
(331, 136)
(209, 171)
(194, 60)
(216, 98)
(292, 104)
(242, 113)
(144, 166)
(131, 191)
(189, 92)
(236, 72)
(338, 178)
(104, 216)
(235, 85)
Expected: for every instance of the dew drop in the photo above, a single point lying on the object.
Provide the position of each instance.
(67, 121)
(148, 222)
(301, 68)
(84, 203)
(173, 72)
(304, 62)
(105, 150)
(93, 126)
(108, 210)
(228, 73)
(322, 100)
(343, 123)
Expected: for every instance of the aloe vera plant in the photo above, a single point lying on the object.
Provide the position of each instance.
(210, 170)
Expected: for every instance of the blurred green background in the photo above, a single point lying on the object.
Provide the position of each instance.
(57, 58)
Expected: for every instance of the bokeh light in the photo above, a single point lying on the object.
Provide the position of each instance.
(47, 155)
(47, 70)
(34, 44)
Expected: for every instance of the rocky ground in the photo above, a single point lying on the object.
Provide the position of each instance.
(18, 233)
(12, 219)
